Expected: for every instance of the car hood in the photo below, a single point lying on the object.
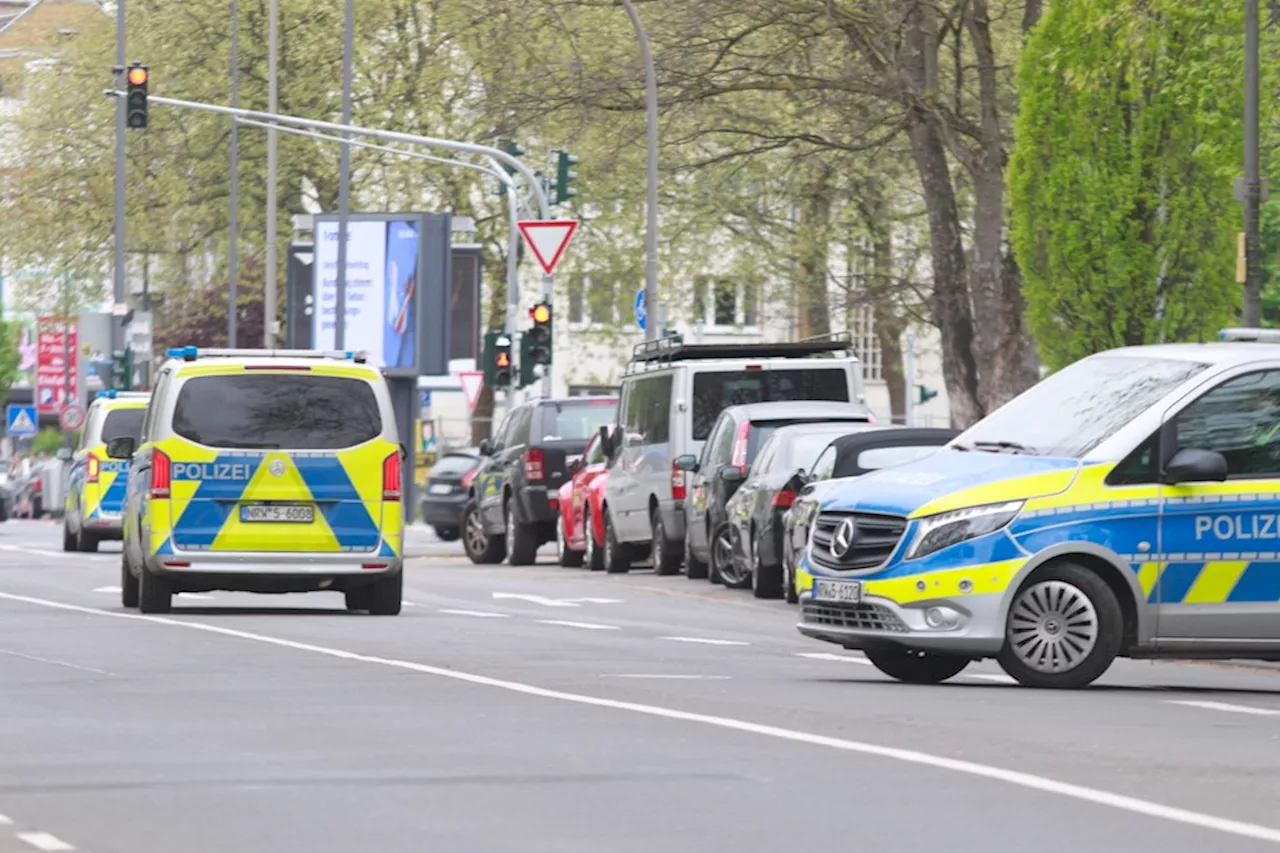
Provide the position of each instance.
(952, 479)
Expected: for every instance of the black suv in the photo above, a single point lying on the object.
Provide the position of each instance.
(512, 507)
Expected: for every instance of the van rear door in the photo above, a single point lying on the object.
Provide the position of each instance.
(563, 429)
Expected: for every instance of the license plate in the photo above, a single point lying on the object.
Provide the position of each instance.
(841, 592)
(439, 489)
(289, 514)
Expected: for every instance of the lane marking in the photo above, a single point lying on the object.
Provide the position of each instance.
(194, 595)
(830, 656)
(999, 679)
(670, 677)
(114, 590)
(4, 821)
(54, 662)
(44, 841)
(482, 613)
(706, 641)
(591, 626)
(1225, 706)
(1012, 777)
(535, 599)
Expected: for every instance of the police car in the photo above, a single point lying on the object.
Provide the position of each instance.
(1128, 505)
(95, 489)
(266, 471)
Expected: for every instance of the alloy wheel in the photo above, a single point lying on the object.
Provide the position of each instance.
(1053, 626)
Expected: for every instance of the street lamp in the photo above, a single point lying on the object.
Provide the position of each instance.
(651, 225)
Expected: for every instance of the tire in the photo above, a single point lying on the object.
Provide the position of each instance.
(386, 595)
(86, 542)
(128, 582)
(722, 556)
(594, 554)
(448, 534)
(37, 509)
(1071, 615)
(616, 559)
(789, 584)
(568, 558)
(916, 667)
(481, 548)
(155, 594)
(522, 539)
(766, 581)
(68, 541)
(665, 560)
(694, 569)
(358, 598)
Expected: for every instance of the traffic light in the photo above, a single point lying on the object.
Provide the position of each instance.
(136, 95)
(540, 335)
(926, 394)
(121, 370)
(565, 175)
(497, 360)
(515, 149)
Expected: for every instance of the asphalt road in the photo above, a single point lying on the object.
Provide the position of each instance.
(549, 709)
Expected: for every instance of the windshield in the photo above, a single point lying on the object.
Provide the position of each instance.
(715, 391)
(579, 421)
(804, 448)
(1076, 409)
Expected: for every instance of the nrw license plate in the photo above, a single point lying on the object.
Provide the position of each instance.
(843, 592)
(288, 513)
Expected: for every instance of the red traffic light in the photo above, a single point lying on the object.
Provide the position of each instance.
(541, 313)
(137, 76)
(504, 359)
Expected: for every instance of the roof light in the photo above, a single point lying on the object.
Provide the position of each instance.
(188, 353)
(109, 395)
(1268, 336)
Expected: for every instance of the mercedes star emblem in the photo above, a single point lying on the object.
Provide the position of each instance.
(276, 468)
(846, 535)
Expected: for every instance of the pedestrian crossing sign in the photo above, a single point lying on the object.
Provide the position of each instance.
(21, 420)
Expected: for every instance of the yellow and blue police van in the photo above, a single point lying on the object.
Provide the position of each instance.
(96, 483)
(268, 471)
(1126, 506)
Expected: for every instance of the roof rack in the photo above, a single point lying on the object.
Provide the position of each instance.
(1264, 336)
(675, 349)
(192, 353)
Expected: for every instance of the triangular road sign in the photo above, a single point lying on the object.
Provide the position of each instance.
(472, 382)
(547, 239)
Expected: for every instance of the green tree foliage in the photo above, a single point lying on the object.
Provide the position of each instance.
(10, 356)
(1121, 175)
(48, 440)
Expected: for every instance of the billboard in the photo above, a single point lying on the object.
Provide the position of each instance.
(464, 303)
(56, 363)
(397, 296)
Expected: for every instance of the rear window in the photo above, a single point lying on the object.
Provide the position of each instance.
(451, 466)
(875, 458)
(123, 423)
(576, 421)
(274, 410)
(713, 391)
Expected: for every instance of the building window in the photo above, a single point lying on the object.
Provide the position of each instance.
(592, 301)
(862, 329)
(577, 292)
(725, 302)
(750, 305)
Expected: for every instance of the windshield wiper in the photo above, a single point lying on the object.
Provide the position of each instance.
(966, 448)
(1007, 446)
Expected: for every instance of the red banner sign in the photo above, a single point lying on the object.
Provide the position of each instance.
(55, 363)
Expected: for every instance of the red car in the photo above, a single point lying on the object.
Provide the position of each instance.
(581, 527)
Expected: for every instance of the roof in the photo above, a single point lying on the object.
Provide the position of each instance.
(875, 433)
(800, 409)
(1214, 352)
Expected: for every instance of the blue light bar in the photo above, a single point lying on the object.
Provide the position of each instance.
(109, 395)
(189, 353)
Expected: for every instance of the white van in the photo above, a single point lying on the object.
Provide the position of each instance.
(672, 394)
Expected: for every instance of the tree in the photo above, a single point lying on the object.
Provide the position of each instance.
(1124, 221)
(10, 356)
(199, 317)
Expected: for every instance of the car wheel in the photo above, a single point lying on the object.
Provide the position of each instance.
(481, 548)
(766, 581)
(358, 598)
(447, 534)
(386, 595)
(128, 582)
(570, 559)
(86, 541)
(1064, 629)
(595, 554)
(616, 559)
(522, 541)
(723, 567)
(789, 582)
(68, 541)
(694, 569)
(665, 560)
(916, 667)
(155, 594)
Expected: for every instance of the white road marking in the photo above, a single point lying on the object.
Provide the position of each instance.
(54, 662)
(44, 841)
(111, 589)
(999, 679)
(592, 626)
(1225, 706)
(4, 821)
(592, 600)
(672, 677)
(706, 641)
(482, 613)
(555, 602)
(193, 595)
(830, 656)
(1012, 777)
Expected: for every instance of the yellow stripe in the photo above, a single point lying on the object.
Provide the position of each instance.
(986, 579)
(1215, 582)
(1149, 576)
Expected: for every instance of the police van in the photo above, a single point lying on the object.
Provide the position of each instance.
(1125, 506)
(266, 471)
(96, 483)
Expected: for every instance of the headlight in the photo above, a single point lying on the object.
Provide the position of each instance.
(949, 528)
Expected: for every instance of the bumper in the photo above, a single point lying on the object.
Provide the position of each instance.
(535, 504)
(443, 510)
(104, 526)
(275, 565)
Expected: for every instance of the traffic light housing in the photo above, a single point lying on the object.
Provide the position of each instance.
(540, 335)
(121, 378)
(515, 149)
(565, 175)
(497, 360)
(136, 79)
(926, 394)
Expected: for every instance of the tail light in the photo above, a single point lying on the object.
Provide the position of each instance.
(739, 459)
(391, 477)
(37, 487)
(533, 469)
(92, 468)
(159, 474)
(677, 483)
(784, 498)
(468, 477)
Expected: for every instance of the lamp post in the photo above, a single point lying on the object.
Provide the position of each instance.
(344, 183)
(233, 240)
(273, 101)
(1251, 313)
(651, 212)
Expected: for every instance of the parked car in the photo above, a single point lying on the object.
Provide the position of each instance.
(446, 495)
(513, 503)
(671, 395)
(580, 529)
(756, 509)
(6, 497)
(734, 443)
(845, 458)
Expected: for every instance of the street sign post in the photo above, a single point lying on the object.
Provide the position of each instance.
(21, 420)
(547, 239)
(71, 418)
(471, 382)
(641, 313)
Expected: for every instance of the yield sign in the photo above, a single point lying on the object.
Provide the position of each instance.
(547, 239)
(472, 382)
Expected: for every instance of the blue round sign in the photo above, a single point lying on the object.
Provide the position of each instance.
(640, 311)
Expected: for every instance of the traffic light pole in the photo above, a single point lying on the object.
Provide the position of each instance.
(117, 333)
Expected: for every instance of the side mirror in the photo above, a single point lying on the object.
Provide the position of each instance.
(64, 453)
(606, 443)
(731, 474)
(122, 447)
(575, 465)
(1192, 465)
(687, 462)
(404, 452)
